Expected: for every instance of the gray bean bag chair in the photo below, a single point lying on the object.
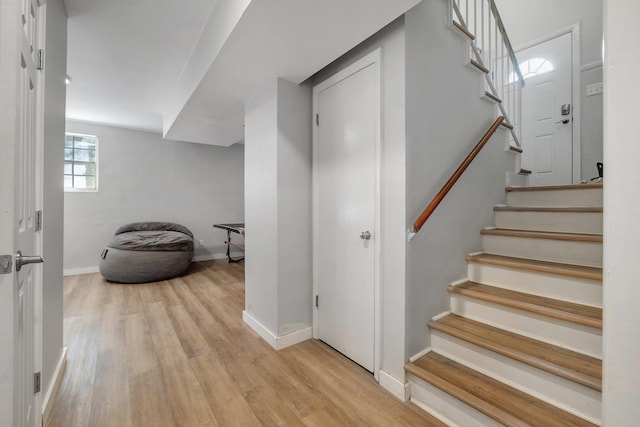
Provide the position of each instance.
(147, 252)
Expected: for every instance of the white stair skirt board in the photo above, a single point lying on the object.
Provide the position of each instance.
(557, 222)
(563, 251)
(514, 179)
(277, 342)
(447, 408)
(565, 288)
(394, 386)
(582, 339)
(51, 393)
(565, 394)
(587, 197)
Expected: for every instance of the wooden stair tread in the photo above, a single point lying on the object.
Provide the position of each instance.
(504, 404)
(563, 310)
(507, 125)
(595, 209)
(592, 273)
(557, 187)
(463, 29)
(493, 97)
(576, 367)
(515, 149)
(577, 237)
(479, 66)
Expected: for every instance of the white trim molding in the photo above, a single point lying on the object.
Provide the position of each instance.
(591, 66)
(419, 354)
(394, 386)
(81, 270)
(54, 386)
(277, 342)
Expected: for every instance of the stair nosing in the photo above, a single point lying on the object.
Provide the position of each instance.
(516, 354)
(464, 29)
(477, 402)
(527, 306)
(497, 99)
(577, 237)
(538, 266)
(556, 187)
(559, 209)
(479, 66)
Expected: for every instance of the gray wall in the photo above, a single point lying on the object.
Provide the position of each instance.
(143, 177)
(53, 199)
(527, 21)
(392, 41)
(445, 119)
(278, 280)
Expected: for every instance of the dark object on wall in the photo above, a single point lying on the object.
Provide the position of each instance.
(600, 167)
(147, 252)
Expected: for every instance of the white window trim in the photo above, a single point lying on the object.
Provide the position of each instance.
(85, 190)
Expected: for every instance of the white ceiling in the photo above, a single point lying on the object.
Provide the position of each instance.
(125, 57)
(193, 63)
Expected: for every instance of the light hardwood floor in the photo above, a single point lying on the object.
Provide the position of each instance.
(177, 353)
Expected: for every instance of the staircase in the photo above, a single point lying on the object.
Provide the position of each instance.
(522, 344)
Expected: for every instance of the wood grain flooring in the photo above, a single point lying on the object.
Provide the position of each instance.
(177, 353)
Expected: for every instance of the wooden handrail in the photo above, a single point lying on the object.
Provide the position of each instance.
(417, 225)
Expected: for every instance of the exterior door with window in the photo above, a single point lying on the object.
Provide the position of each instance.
(547, 111)
(20, 123)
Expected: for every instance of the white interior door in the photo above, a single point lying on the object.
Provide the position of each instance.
(547, 133)
(18, 40)
(347, 107)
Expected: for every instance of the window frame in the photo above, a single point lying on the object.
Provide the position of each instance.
(97, 153)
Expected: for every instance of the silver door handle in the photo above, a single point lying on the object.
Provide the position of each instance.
(365, 235)
(24, 260)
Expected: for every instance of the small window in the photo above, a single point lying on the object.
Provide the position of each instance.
(531, 68)
(80, 162)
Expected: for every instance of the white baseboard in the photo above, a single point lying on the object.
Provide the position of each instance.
(277, 342)
(197, 258)
(210, 257)
(420, 354)
(81, 270)
(54, 386)
(394, 386)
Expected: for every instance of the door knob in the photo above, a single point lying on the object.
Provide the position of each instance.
(564, 122)
(24, 260)
(365, 235)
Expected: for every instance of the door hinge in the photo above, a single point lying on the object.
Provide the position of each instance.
(40, 65)
(317, 119)
(38, 220)
(316, 301)
(6, 262)
(36, 383)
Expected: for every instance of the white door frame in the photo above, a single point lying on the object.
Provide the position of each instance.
(574, 30)
(374, 58)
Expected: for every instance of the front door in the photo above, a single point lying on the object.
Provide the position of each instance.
(547, 111)
(346, 138)
(19, 124)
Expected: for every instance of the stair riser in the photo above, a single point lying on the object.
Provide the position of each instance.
(582, 339)
(566, 288)
(557, 222)
(556, 198)
(563, 251)
(574, 398)
(446, 407)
